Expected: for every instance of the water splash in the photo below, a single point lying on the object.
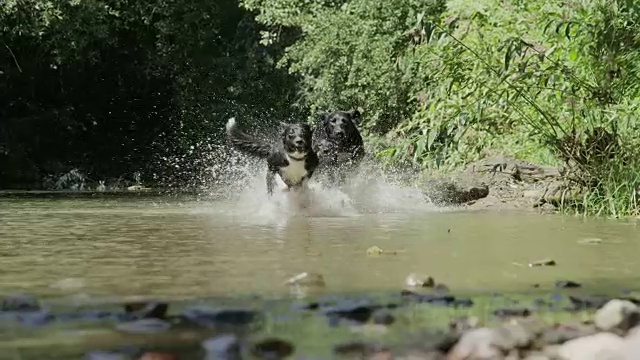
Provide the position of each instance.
(240, 181)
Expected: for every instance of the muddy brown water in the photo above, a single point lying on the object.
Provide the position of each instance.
(183, 248)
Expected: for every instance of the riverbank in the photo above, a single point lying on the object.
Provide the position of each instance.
(414, 324)
(503, 183)
(492, 183)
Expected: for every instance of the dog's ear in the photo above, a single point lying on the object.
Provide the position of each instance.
(355, 116)
(283, 126)
(322, 116)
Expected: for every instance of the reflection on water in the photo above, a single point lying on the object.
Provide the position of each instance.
(183, 248)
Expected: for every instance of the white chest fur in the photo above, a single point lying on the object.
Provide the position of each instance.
(294, 172)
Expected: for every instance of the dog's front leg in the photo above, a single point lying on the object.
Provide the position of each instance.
(271, 180)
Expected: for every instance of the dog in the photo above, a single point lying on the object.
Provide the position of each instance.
(338, 143)
(294, 161)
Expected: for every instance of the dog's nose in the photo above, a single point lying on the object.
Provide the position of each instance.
(299, 142)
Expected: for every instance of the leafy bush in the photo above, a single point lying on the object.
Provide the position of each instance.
(551, 81)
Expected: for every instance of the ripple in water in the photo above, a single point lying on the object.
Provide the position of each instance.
(370, 189)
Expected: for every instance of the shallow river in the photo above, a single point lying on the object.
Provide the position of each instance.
(180, 247)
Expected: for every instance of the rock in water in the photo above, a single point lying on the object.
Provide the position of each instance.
(415, 280)
(567, 284)
(617, 314)
(543, 262)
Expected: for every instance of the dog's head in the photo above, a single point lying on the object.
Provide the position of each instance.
(296, 139)
(340, 126)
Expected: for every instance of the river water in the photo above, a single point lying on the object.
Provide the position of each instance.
(183, 247)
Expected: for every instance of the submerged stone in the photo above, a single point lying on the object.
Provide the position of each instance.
(144, 326)
(31, 318)
(306, 306)
(358, 313)
(435, 299)
(512, 312)
(224, 317)
(383, 317)
(20, 302)
(104, 355)
(146, 310)
(582, 302)
(272, 348)
(85, 315)
(358, 349)
(225, 347)
(567, 284)
(441, 289)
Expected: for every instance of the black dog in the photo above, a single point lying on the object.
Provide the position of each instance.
(338, 142)
(295, 161)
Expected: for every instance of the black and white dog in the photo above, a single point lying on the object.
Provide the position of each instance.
(294, 161)
(338, 143)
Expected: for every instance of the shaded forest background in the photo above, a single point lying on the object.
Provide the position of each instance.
(112, 88)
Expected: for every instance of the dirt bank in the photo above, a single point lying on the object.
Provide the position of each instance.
(502, 183)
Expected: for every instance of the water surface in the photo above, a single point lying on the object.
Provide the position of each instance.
(183, 248)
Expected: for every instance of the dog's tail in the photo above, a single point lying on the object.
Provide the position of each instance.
(246, 142)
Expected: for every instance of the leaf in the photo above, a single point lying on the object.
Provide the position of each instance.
(507, 57)
(433, 134)
(573, 54)
(420, 147)
(567, 30)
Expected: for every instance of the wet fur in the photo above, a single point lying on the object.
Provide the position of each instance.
(338, 143)
(294, 160)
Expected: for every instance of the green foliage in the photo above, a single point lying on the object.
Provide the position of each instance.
(552, 81)
(114, 87)
(107, 86)
(349, 54)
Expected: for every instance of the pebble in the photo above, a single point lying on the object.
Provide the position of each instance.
(567, 284)
(632, 344)
(222, 347)
(617, 314)
(357, 313)
(543, 262)
(416, 280)
(601, 346)
(512, 312)
(272, 348)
